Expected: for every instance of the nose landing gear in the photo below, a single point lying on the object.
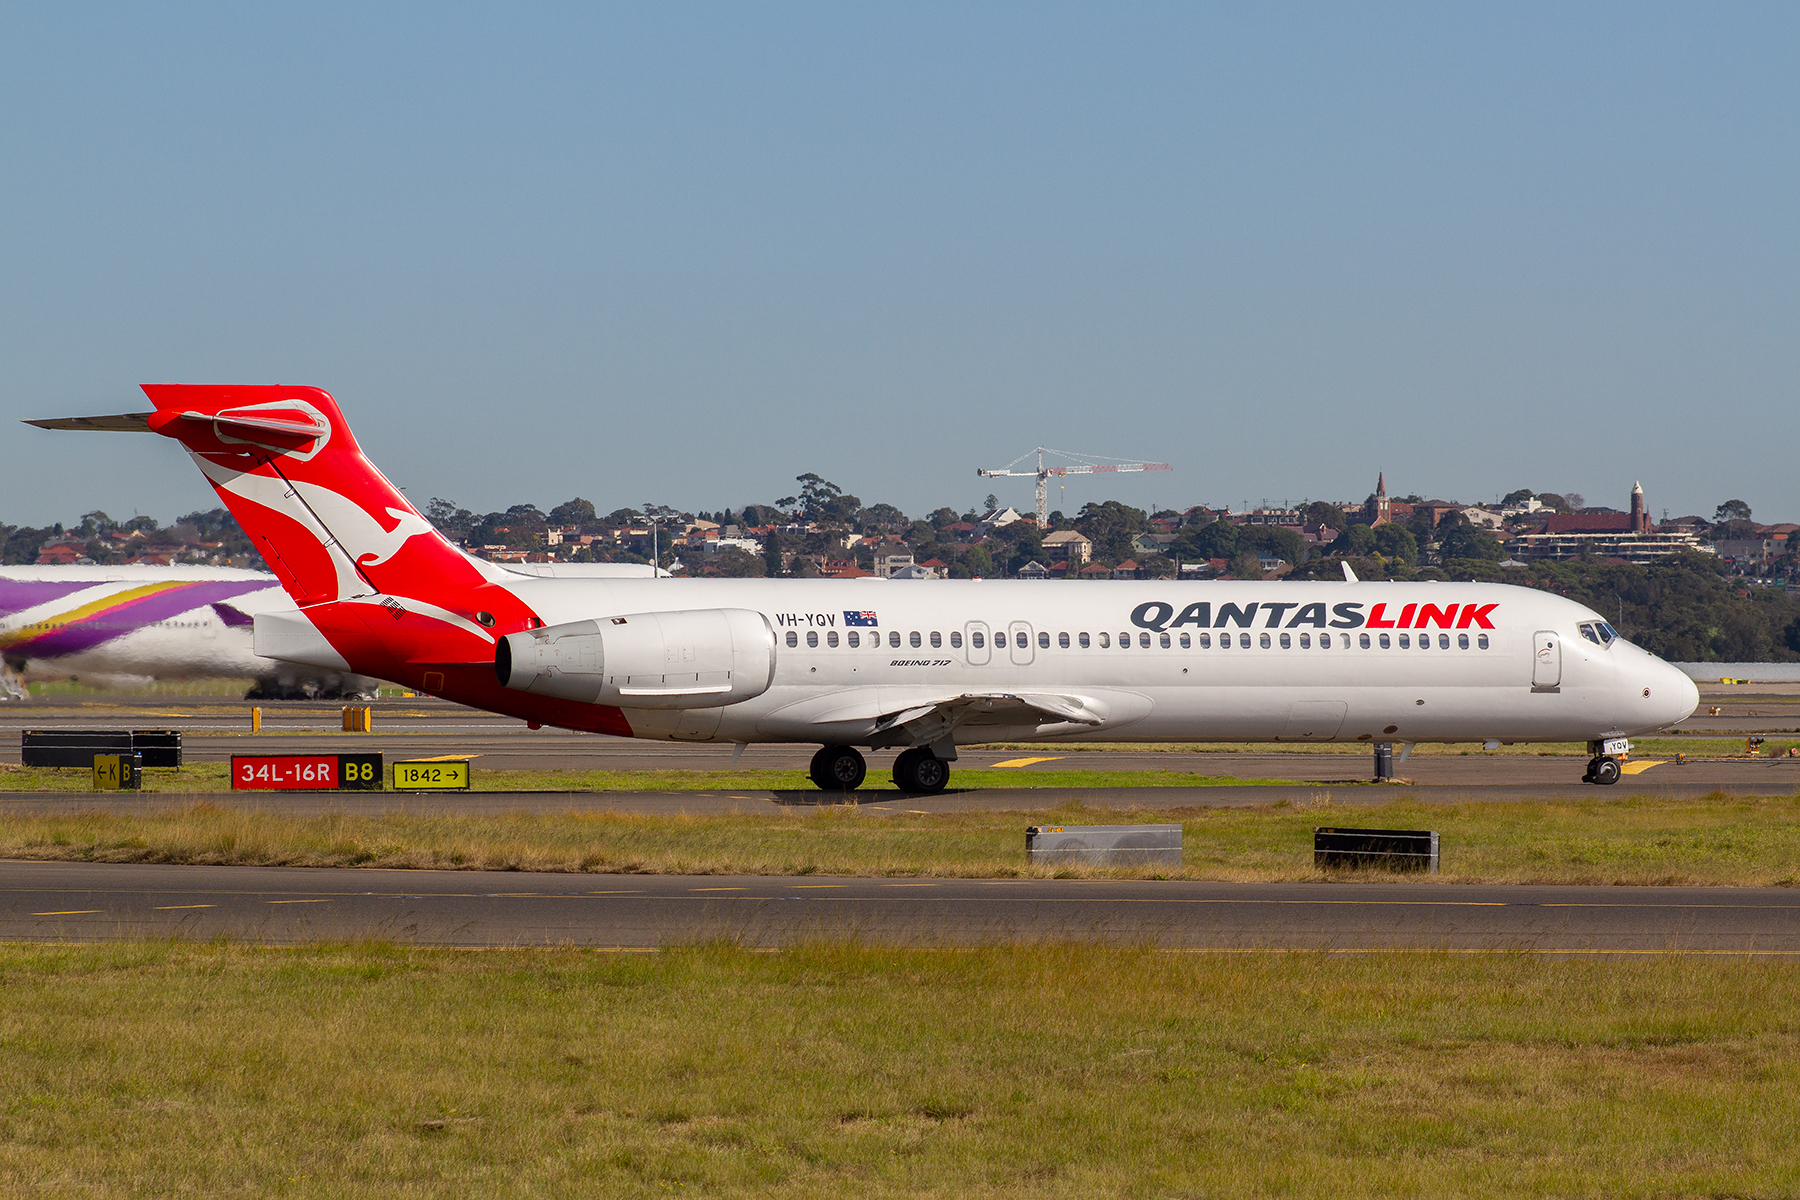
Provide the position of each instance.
(1604, 767)
(1603, 770)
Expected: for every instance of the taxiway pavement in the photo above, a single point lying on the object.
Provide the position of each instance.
(93, 902)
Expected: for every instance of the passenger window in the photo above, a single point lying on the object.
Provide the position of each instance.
(793, 639)
(1124, 641)
(1324, 641)
(853, 639)
(1444, 641)
(1405, 642)
(937, 639)
(1243, 641)
(913, 639)
(1305, 641)
(1385, 644)
(1105, 641)
(1143, 641)
(1224, 641)
(1044, 641)
(831, 638)
(1265, 641)
(1287, 643)
(1187, 642)
(1462, 641)
(1363, 640)
(1083, 638)
(977, 640)
(812, 639)
(955, 640)
(1206, 641)
(894, 638)
(1482, 641)
(1165, 641)
(1062, 641)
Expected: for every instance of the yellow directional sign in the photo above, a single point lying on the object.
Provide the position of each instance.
(437, 775)
(112, 772)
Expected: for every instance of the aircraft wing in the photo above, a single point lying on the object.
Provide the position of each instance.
(923, 723)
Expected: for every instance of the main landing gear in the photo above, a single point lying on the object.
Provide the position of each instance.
(838, 768)
(920, 772)
(842, 768)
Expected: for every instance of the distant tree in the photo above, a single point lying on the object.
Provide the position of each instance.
(992, 502)
(1394, 541)
(738, 564)
(451, 521)
(1517, 496)
(1553, 501)
(943, 516)
(1574, 501)
(1458, 538)
(574, 512)
(1355, 540)
(1247, 566)
(93, 523)
(1732, 510)
(1321, 513)
(1284, 544)
(23, 545)
(1111, 526)
(772, 555)
(882, 516)
(1216, 539)
(624, 516)
(976, 562)
(822, 500)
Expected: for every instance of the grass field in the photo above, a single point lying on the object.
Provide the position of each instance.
(1624, 840)
(221, 1070)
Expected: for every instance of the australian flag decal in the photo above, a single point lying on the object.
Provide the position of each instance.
(860, 618)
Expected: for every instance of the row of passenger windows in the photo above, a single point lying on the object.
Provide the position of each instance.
(1186, 641)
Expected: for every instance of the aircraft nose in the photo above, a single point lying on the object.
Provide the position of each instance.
(1676, 696)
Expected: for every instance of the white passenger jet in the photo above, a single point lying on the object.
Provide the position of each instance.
(922, 668)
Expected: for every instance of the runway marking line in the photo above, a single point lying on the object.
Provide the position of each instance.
(70, 912)
(448, 758)
(715, 889)
(1026, 762)
(172, 907)
(1638, 768)
(805, 887)
(326, 901)
(909, 885)
(638, 893)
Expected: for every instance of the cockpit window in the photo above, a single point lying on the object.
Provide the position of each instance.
(1608, 635)
(1587, 631)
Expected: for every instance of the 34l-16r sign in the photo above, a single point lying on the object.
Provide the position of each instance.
(306, 772)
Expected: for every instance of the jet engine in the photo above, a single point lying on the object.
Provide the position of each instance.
(703, 658)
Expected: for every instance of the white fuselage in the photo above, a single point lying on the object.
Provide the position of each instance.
(1262, 661)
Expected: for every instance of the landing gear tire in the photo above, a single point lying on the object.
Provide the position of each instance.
(838, 769)
(921, 772)
(1604, 771)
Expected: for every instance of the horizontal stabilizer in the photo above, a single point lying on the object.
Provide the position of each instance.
(121, 423)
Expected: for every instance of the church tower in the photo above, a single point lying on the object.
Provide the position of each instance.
(1381, 512)
(1640, 520)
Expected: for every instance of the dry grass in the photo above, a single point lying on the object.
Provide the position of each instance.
(848, 1071)
(1626, 840)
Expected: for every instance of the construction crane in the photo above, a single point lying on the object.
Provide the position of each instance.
(1082, 464)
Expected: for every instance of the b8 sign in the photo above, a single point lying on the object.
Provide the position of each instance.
(306, 772)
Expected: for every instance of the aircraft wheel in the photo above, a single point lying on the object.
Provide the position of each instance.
(838, 769)
(921, 772)
(1606, 771)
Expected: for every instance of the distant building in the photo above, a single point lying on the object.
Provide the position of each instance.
(1628, 536)
(1068, 546)
(1034, 570)
(889, 563)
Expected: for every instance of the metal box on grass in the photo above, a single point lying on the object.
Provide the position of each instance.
(1104, 845)
(1384, 849)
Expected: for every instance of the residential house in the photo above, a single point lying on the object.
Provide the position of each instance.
(1034, 570)
(1065, 545)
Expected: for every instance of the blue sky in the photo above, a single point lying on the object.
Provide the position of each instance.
(683, 253)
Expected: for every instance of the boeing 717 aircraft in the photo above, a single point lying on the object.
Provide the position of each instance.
(869, 666)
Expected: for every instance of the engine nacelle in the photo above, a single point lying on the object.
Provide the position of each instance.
(701, 658)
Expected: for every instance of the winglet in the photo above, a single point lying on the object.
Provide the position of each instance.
(1349, 575)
